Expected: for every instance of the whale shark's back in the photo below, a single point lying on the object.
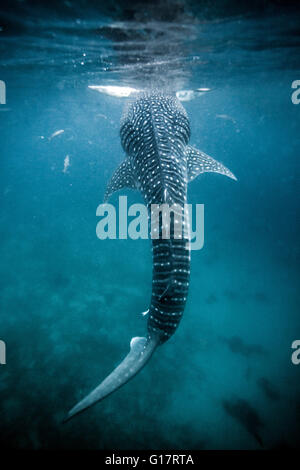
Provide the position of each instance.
(153, 110)
(154, 132)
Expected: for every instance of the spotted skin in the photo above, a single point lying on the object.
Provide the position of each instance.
(154, 133)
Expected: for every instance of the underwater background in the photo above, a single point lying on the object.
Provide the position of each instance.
(70, 303)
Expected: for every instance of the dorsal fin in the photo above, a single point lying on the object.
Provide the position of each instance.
(123, 177)
(199, 162)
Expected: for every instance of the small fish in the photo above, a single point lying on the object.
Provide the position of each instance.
(66, 163)
(226, 117)
(56, 133)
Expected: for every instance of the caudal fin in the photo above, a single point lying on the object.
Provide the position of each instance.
(141, 349)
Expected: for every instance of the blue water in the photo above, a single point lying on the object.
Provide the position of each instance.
(70, 303)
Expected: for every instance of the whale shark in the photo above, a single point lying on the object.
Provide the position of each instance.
(159, 162)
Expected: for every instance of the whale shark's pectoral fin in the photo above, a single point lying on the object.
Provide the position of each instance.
(123, 177)
(199, 162)
(141, 349)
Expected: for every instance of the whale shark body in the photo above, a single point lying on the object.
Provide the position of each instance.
(155, 133)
